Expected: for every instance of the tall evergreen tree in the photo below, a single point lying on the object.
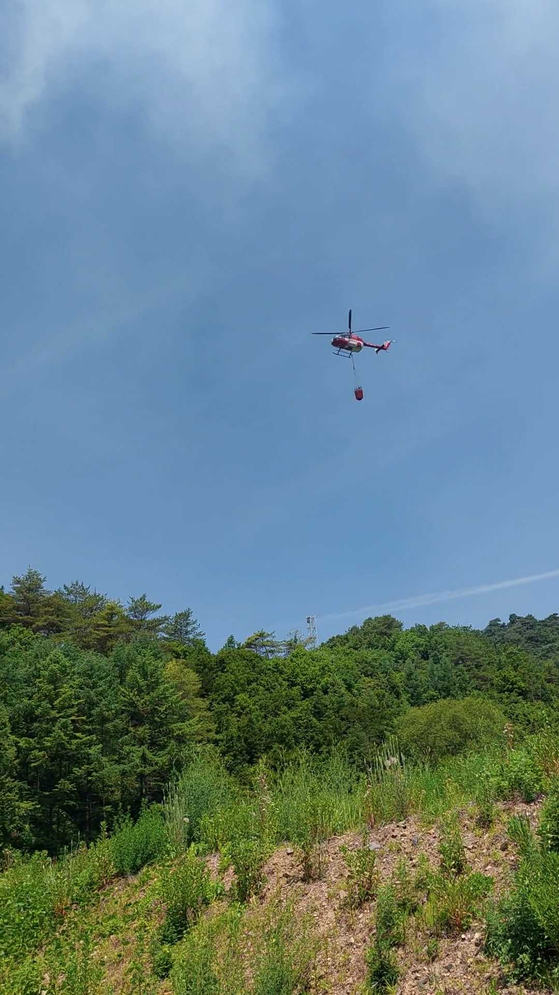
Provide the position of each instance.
(183, 628)
(157, 722)
(53, 748)
(140, 611)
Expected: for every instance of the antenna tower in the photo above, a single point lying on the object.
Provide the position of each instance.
(312, 632)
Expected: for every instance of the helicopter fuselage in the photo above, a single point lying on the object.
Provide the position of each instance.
(348, 343)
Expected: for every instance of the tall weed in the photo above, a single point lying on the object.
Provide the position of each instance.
(285, 963)
(549, 820)
(523, 931)
(136, 844)
(186, 888)
(451, 848)
(203, 788)
(362, 878)
(208, 961)
(453, 902)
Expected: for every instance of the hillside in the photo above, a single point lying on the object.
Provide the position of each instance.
(297, 885)
(169, 815)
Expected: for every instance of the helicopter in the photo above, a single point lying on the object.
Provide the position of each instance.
(348, 343)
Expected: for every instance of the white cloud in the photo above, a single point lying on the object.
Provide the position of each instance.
(204, 71)
(482, 98)
(421, 600)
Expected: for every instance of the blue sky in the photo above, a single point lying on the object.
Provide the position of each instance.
(188, 191)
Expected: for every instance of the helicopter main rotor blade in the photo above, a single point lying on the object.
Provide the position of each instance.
(378, 328)
(349, 321)
(328, 333)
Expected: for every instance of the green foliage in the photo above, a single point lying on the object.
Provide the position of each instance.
(520, 832)
(362, 878)
(523, 931)
(382, 964)
(451, 848)
(203, 789)
(101, 704)
(453, 902)
(186, 888)
(446, 728)
(161, 961)
(183, 628)
(407, 886)
(36, 893)
(27, 913)
(193, 971)
(283, 967)
(315, 799)
(136, 844)
(486, 811)
(549, 820)
(390, 918)
(247, 855)
(382, 968)
(520, 777)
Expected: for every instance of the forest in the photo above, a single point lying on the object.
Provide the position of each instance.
(126, 744)
(101, 703)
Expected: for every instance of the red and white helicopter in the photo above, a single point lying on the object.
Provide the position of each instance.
(348, 343)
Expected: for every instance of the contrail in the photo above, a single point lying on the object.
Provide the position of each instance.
(404, 604)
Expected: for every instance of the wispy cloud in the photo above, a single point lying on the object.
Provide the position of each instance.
(421, 600)
(205, 72)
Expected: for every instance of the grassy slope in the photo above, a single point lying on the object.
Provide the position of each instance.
(75, 928)
(107, 946)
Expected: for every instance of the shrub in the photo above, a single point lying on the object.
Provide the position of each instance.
(519, 776)
(27, 905)
(315, 799)
(389, 918)
(208, 961)
(407, 888)
(203, 788)
(283, 967)
(362, 880)
(449, 727)
(382, 968)
(247, 855)
(549, 820)
(451, 849)
(485, 814)
(76, 968)
(161, 961)
(523, 931)
(520, 832)
(136, 844)
(193, 972)
(185, 888)
(453, 902)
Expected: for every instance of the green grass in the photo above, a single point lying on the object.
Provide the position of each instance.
(151, 927)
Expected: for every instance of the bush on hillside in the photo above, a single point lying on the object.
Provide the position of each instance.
(523, 931)
(448, 727)
(549, 821)
(136, 844)
(203, 788)
(185, 888)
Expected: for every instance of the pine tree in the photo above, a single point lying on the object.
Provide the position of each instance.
(52, 749)
(108, 627)
(157, 720)
(13, 809)
(183, 628)
(84, 607)
(140, 610)
(264, 643)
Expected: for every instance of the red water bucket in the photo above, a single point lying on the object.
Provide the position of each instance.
(358, 393)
